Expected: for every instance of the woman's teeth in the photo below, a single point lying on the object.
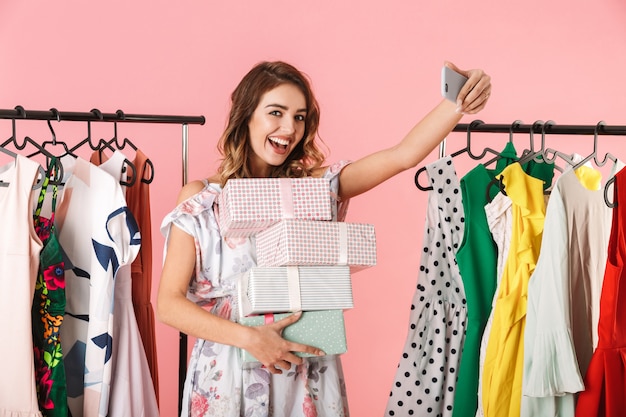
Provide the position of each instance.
(278, 141)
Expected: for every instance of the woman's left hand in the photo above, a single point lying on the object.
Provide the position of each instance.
(474, 95)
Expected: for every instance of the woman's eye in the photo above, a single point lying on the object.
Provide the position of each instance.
(300, 118)
(275, 113)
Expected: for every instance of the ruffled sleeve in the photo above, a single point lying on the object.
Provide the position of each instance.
(196, 217)
(339, 207)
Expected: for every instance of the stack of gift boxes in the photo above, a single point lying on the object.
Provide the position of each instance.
(304, 260)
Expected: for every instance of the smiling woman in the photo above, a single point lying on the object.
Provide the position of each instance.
(271, 132)
(276, 128)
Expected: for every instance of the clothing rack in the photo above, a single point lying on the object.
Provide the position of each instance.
(540, 127)
(95, 115)
(550, 128)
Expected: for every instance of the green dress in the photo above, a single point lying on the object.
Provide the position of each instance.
(48, 311)
(477, 260)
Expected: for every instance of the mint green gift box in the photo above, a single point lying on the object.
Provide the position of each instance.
(323, 329)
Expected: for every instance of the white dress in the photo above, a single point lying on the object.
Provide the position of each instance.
(500, 220)
(98, 235)
(560, 320)
(216, 383)
(426, 377)
(132, 392)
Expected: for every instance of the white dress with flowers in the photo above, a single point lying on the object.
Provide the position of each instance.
(216, 383)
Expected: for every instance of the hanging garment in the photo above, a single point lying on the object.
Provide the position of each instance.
(606, 375)
(502, 372)
(499, 219)
(425, 380)
(130, 374)
(477, 259)
(98, 235)
(19, 261)
(216, 384)
(480, 265)
(48, 311)
(558, 337)
(138, 202)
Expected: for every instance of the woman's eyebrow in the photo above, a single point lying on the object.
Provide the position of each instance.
(283, 107)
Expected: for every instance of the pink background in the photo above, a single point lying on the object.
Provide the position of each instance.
(375, 67)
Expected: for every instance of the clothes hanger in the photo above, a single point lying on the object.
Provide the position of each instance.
(126, 141)
(53, 141)
(467, 149)
(607, 157)
(594, 153)
(128, 165)
(42, 172)
(529, 155)
(555, 153)
(87, 140)
(538, 155)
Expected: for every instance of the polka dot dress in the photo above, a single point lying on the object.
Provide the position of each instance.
(426, 377)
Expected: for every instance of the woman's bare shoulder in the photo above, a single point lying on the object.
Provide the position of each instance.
(190, 189)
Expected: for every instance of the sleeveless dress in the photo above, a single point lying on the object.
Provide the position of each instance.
(478, 265)
(502, 373)
(427, 372)
(216, 383)
(138, 202)
(132, 392)
(19, 263)
(605, 379)
(98, 236)
(48, 311)
(477, 260)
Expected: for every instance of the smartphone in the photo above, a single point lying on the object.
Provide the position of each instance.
(451, 83)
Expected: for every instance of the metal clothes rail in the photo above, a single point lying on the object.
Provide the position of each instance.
(95, 115)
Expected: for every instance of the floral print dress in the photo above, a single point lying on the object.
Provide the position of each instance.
(216, 382)
(48, 311)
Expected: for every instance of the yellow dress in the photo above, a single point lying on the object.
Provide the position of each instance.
(504, 360)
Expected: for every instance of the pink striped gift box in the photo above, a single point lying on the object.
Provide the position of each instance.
(249, 205)
(308, 242)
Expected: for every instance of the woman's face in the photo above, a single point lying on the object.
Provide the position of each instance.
(276, 127)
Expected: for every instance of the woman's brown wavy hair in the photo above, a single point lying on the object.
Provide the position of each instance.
(234, 145)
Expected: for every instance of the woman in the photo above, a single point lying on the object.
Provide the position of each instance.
(271, 132)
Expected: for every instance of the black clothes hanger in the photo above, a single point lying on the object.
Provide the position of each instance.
(12, 139)
(87, 140)
(53, 141)
(529, 155)
(128, 142)
(103, 144)
(467, 149)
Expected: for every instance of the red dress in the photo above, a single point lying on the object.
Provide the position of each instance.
(605, 381)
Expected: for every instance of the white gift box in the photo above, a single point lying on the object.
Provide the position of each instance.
(248, 205)
(307, 242)
(294, 288)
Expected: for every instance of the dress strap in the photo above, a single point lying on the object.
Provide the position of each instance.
(50, 173)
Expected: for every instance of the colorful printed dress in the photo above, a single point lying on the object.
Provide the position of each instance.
(216, 384)
(138, 201)
(48, 311)
(99, 235)
(427, 372)
(130, 374)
